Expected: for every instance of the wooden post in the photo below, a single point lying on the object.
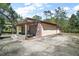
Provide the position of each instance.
(26, 30)
(17, 30)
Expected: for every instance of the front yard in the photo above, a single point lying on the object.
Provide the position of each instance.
(60, 45)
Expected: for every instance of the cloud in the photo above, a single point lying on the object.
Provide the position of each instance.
(27, 4)
(29, 8)
(23, 11)
(69, 15)
(76, 8)
(52, 11)
(35, 4)
(66, 8)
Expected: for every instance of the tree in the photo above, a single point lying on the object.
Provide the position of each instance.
(7, 11)
(52, 20)
(14, 17)
(77, 14)
(74, 23)
(37, 17)
(48, 14)
(60, 17)
(2, 22)
(60, 13)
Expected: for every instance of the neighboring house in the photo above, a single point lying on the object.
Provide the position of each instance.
(31, 27)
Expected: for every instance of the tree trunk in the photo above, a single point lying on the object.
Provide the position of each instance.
(0, 30)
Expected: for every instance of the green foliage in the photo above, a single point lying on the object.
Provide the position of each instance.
(48, 15)
(52, 20)
(9, 14)
(77, 15)
(61, 19)
(7, 28)
(37, 17)
(74, 23)
(5, 6)
(66, 24)
(60, 14)
(2, 22)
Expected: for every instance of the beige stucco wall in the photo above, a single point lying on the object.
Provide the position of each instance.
(49, 29)
(18, 29)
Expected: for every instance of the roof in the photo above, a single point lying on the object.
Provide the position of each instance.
(31, 20)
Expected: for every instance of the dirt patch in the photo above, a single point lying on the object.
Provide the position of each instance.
(59, 45)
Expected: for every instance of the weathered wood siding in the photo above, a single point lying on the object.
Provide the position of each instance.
(49, 29)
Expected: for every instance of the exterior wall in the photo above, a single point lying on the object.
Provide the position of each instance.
(39, 31)
(42, 29)
(49, 29)
(18, 29)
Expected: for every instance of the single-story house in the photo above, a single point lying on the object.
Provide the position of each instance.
(31, 27)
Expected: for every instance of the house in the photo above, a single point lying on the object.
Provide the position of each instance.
(31, 27)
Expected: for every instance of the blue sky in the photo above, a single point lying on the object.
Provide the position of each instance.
(31, 9)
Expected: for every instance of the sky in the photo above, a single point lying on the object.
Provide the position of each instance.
(31, 9)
